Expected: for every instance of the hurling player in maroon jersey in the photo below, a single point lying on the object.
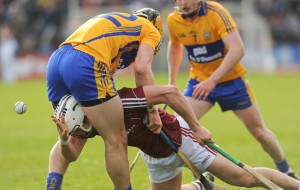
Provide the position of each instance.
(164, 165)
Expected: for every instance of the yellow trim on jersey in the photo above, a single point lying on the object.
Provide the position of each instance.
(228, 21)
(249, 90)
(103, 80)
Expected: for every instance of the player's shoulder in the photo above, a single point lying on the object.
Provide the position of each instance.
(216, 7)
(173, 15)
(120, 19)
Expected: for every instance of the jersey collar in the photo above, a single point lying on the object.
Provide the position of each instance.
(203, 8)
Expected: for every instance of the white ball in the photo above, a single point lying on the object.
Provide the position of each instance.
(20, 107)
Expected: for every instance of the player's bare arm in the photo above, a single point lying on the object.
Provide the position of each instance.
(144, 76)
(174, 56)
(171, 96)
(70, 147)
(235, 52)
(142, 66)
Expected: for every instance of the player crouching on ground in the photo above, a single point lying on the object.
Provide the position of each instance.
(164, 165)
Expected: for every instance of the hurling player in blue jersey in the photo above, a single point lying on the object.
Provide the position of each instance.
(214, 47)
(84, 66)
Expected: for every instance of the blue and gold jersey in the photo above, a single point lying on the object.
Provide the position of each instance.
(114, 38)
(202, 39)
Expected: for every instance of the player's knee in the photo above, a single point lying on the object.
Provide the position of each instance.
(262, 135)
(117, 140)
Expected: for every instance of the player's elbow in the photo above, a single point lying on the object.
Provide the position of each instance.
(141, 69)
(242, 52)
(171, 92)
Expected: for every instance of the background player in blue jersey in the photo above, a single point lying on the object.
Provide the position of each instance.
(214, 47)
(84, 66)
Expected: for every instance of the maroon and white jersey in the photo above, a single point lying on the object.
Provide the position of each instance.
(134, 103)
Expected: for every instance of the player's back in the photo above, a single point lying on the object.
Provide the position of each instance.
(113, 38)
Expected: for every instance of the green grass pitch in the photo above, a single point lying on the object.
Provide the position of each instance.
(25, 140)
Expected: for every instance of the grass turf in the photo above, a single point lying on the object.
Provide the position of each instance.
(25, 140)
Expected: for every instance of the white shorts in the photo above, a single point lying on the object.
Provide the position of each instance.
(165, 169)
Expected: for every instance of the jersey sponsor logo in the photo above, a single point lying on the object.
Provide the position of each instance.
(206, 35)
(200, 51)
(205, 59)
(203, 53)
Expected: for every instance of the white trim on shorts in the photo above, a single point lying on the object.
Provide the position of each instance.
(164, 169)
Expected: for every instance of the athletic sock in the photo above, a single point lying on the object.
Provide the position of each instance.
(198, 184)
(298, 185)
(129, 187)
(283, 166)
(54, 181)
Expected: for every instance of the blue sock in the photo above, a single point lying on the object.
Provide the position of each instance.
(129, 188)
(54, 181)
(283, 166)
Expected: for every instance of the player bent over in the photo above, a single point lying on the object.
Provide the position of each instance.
(164, 165)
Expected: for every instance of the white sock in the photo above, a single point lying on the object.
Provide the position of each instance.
(290, 170)
(298, 185)
(199, 185)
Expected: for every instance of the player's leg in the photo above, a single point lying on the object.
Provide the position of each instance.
(57, 168)
(205, 158)
(234, 175)
(253, 120)
(108, 120)
(90, 83)
(200, 108)
(173, 184)
(164, 173)
(58, 164)
(94, 89)
(238, 96)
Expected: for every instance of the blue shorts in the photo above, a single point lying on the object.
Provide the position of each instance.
(231, 95)
(70, 71)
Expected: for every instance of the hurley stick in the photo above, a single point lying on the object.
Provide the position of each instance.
(249, 169)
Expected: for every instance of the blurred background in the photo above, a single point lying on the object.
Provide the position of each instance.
(30, 30)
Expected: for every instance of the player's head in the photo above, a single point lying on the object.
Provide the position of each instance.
(188, 8)
(154, 17)
(74, 115)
